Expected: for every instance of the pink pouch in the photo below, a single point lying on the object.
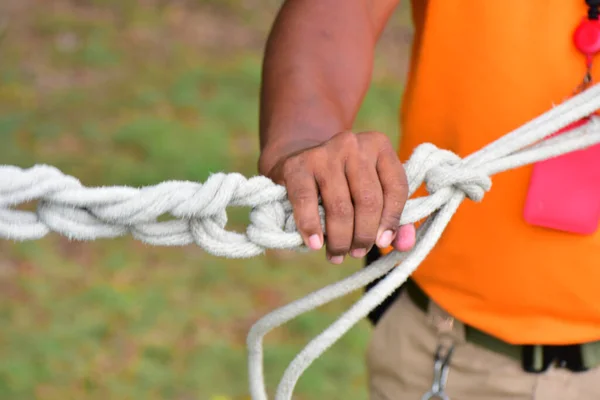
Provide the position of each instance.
(564, 192)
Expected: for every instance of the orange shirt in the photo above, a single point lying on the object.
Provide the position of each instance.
(479, 69)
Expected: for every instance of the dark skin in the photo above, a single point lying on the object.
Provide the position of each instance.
(317, 69)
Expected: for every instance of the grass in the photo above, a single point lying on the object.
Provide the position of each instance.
(121, 92)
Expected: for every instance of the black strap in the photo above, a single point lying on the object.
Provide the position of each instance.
(593, 9)
(564, 356)
(376, 314)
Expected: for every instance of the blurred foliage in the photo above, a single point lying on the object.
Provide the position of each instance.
(133, 93)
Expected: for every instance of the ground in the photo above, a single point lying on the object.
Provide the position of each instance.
(134, 93)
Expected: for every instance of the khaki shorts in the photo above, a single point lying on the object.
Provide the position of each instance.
(400, 365)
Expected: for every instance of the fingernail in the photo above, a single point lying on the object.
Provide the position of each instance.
(385, 239)
(358, 253)
(314, 242)
(336, 259)
(406, 238)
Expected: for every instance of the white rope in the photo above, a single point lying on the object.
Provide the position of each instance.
(66, 207)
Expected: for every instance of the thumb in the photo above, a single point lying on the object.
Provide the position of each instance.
(405, 238)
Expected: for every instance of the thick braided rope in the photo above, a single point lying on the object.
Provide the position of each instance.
(67, 207)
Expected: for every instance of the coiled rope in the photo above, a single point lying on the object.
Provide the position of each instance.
(68, 208)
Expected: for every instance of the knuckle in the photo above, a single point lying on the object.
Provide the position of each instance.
(390, 157)
(340, 208)
(363, 239)
(300, 195)
(392, 218)
(293, 165)
(395, 204)
(379, 137)
(325, 184)
(393, 211)
(364, 161)
(348, 139)
(306, 224)
(396, 199)
(316, 154)
(369, 201)
(337, 249)
(317, 159)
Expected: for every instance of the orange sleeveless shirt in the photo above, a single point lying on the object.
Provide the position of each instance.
(480, 69)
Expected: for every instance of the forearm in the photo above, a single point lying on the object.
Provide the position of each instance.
(317, 69)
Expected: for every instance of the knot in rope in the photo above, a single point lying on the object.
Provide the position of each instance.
(272, 225)
(443, 169)
(67, 207)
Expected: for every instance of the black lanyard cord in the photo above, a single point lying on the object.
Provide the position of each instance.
(593, 9)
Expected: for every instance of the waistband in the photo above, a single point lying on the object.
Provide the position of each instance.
(534, 358)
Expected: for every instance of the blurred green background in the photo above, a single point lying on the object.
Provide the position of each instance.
(133, 93)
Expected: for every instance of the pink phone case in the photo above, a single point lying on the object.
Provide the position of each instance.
(564, 192)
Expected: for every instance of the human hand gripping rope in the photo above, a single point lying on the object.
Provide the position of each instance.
(66, 207)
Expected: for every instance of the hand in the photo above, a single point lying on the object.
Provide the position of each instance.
(363, 189)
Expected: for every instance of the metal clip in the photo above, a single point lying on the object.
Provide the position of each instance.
(441, 367)
(440, 320)
(587, 81)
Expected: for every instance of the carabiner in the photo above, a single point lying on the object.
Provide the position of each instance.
(441, 367)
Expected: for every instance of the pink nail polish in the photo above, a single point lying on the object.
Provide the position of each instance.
(385, 239)
(336, 259)
(358, 253)
(314, 242)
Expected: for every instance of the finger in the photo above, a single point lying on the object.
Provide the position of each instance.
(395, 192)
(367, 197)
(339, 212)
(303, 195)
(406, 238)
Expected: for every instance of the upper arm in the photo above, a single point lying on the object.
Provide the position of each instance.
(356, 15)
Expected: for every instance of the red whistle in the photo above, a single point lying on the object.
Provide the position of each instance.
(587, 38)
